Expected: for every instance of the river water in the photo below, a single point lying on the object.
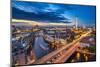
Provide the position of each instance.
(40, 47)
(81, 59)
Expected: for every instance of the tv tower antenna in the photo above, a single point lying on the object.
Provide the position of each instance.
(76, 23)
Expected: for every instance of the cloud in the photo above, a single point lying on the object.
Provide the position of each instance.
(40, 11)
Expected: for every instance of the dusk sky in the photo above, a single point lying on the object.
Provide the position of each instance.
(50, 12)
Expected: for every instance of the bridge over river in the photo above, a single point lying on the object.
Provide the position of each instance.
(45, 55)
(62, 54)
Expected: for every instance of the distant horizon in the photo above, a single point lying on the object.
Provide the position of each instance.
(36, 23)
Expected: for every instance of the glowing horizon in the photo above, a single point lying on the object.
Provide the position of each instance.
(39, 23)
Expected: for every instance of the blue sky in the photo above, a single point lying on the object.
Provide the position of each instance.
(50, 12)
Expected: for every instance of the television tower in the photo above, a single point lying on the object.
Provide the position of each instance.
(76, 22)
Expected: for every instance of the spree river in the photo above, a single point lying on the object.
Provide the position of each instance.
(40, 47)
(81, 58)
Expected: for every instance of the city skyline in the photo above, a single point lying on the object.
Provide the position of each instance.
(51, 33)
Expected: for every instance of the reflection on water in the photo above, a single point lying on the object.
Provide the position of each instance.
(80, 57)
(40, 47)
